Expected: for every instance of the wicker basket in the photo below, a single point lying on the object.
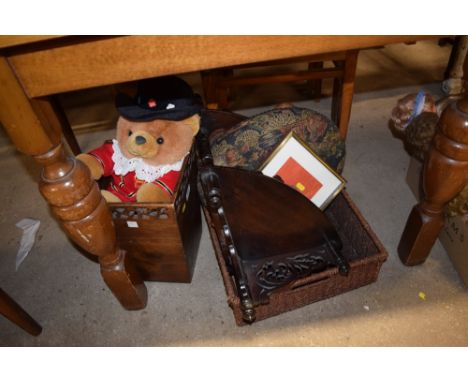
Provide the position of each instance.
(361, 248)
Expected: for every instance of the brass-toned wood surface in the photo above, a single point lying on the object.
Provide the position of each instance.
(10, 309)
(445, 174)
(95, 62)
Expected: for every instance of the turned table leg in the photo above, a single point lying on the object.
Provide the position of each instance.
(16, 314)
(444, 176)
(67, 186)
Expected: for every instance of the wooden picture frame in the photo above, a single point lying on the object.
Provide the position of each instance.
(298, 166)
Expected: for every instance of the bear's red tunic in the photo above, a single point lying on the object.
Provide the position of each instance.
(126, 186)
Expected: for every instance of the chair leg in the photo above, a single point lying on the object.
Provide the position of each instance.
(336, 100)
(315, 86)
(12, 311)
(347, 91)
(215, 91)
(222, 90)
(209, 79)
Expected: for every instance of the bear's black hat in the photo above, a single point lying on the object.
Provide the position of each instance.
(167, 97)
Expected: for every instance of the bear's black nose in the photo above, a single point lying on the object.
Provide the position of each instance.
(139, 140)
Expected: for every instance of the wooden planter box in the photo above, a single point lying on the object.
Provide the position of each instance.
(163, 238)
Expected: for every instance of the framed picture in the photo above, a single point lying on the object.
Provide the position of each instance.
(295, 164)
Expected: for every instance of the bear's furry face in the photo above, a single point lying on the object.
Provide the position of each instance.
(158, 142)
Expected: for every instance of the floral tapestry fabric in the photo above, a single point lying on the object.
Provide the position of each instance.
(249, 143)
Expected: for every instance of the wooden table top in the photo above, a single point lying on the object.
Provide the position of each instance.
(48, 65)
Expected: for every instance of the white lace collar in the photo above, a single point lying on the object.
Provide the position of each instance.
(143, 171)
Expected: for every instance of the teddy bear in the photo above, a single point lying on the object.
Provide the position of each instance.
(155, 131)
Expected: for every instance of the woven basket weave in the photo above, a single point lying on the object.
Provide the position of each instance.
(361, 247)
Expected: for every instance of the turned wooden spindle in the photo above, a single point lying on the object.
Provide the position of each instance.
(444, 176)
(76, 201)
(67, 186)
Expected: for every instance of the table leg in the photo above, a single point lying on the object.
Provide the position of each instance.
(16, 314)
(216, 92)
(444, 176)
(53, 112)
(67, 186)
